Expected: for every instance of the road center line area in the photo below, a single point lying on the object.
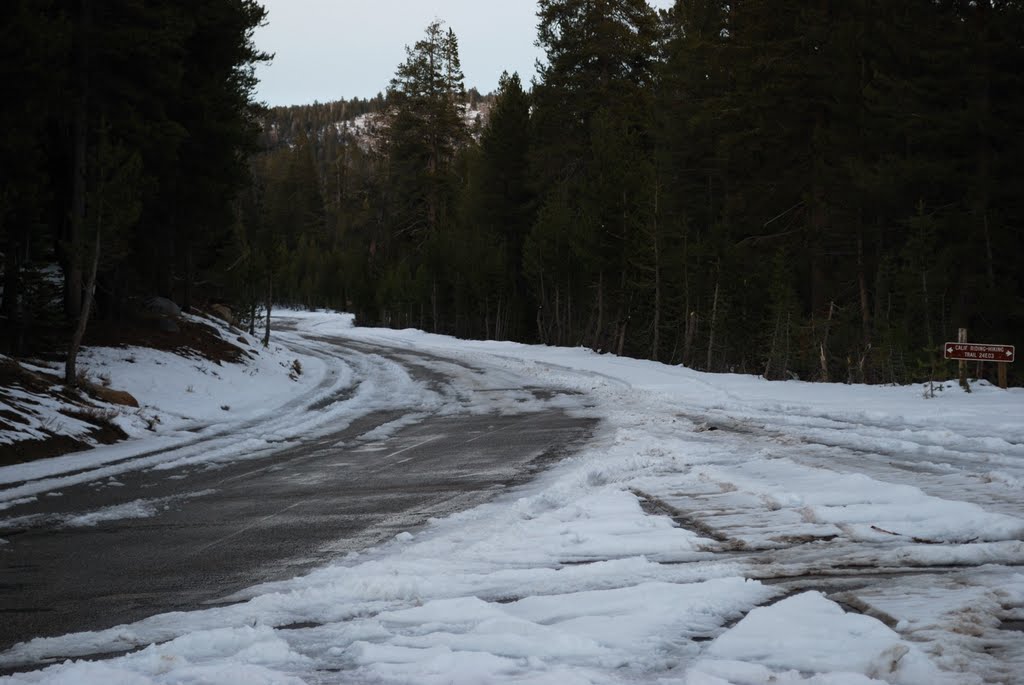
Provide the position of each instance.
(246, 528)
(410, 447)
(491, 432)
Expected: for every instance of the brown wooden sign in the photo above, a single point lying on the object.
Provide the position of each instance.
(978, 352)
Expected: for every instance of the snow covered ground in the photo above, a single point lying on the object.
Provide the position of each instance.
(718, 529)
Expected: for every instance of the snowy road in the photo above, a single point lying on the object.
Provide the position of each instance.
(715, 529)
(186, 533)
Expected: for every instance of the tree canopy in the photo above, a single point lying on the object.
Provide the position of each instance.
(823, 190)
(125, 143)
(805, 189)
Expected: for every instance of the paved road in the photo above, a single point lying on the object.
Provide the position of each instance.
(219, 530)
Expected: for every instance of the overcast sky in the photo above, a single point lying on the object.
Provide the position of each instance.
(332, 49)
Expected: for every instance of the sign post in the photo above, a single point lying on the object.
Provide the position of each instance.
(961, 337)
(964, 352)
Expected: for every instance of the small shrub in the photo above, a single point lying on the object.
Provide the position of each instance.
(225, 407)
(96, 415)
(190, 388)
(151, 420)
(296, 370)
(50, 424)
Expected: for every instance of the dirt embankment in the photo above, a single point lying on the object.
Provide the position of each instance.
(26, 386)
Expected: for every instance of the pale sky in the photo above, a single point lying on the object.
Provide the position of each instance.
(332, 49)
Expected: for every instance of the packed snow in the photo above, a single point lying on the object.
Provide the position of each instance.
(717, 529)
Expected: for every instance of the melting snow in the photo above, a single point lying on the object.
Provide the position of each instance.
(824, 534)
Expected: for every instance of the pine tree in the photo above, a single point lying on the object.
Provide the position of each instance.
(425, 131)
(593, 91)
(688, 126)
(498, 211)
(34, 37)
(213, 105)
(115, 205)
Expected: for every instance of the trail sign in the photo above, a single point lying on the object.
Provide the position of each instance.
(978, 352)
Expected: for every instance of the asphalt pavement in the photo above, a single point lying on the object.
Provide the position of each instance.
(217, 530)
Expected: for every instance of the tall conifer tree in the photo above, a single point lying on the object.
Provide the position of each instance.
(426, 129)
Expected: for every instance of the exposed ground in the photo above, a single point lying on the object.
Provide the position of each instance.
(27, 382)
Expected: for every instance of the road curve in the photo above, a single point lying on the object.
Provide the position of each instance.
(194, 534)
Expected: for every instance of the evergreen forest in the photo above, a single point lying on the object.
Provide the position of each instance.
(804, 189)
(126, 129)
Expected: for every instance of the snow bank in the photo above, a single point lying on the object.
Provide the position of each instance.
(810, 634)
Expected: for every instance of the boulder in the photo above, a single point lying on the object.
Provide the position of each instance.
(161, 306)
(223, 313)
(161, 313)
(111, 396)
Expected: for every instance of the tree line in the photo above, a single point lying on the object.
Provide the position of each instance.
(824, 190)
(125, 133)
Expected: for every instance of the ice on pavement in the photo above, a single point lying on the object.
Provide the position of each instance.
(136, 509)
(717, 529)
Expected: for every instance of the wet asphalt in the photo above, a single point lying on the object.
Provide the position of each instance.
(218, 530)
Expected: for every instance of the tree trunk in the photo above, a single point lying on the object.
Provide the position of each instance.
(656, 335)
(985, 128)
(823, 347)
(499, 313)
(773, 348)
(80, 142)
(714, 321)
(990, 261)
(542, 333)
(487, 319)
(568, 317)
(691, 316)
(70, 365)
(786, 343)
(862, 284)
(927, 308)
(558, 315)
(251, 285)
(12, 306)
(691, 331)
(434, 306)
(268, 304)
(961, 338)
(186, 293)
